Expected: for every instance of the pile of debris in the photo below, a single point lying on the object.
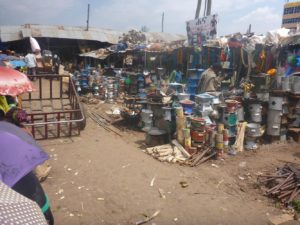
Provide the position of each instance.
(284, 185)
(133, 37)
(201, 156)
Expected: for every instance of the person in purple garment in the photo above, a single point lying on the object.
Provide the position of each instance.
(19, 155)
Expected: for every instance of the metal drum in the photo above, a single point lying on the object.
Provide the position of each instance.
(253, 130)
(276, 103)
(296, 84)
(274, 122)
(255, 112)
(286, 86)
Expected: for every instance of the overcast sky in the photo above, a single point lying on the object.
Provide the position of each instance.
(234, 15)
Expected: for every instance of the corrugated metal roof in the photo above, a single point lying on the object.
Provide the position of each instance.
(14, 33)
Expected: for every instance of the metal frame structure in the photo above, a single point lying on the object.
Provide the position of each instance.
(54, 110)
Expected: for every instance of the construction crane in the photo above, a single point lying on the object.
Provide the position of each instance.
(207, 8)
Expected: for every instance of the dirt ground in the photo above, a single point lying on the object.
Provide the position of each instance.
(101, 178)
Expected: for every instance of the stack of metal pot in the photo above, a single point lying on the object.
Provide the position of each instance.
(147, 119)
(112, 87)
(253, 132)
(277, 116)
(203, 107)
(296, 122)
(110, 92)
(198, 131)
(229, 116)
(253, 129)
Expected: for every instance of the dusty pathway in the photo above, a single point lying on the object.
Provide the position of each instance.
(100, 178)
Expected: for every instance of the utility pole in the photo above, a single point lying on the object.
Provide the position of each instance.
(198, 9)
(88, 18)
(208, 10)
(249, 29)
(205, 7)
(162, 22)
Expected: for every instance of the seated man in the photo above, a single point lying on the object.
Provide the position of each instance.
(210, 80)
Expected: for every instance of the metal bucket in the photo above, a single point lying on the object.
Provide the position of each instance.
(255, 112)
(274, 122)
(253, 130)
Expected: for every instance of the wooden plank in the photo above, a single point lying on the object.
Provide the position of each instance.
(180, 148)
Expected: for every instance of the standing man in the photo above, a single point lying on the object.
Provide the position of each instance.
(210, 81)
(31, 63)
(213, 31)
(56, 62)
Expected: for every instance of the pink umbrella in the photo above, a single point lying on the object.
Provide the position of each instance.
(13, 82)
